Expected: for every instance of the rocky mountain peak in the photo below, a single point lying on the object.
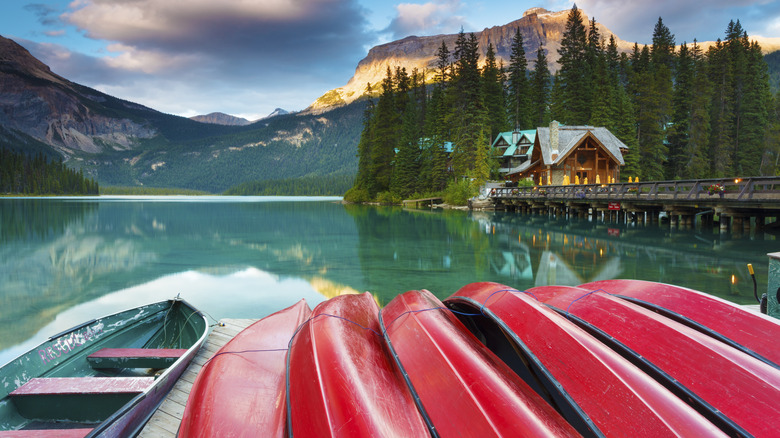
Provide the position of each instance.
(218, 118)
(60, 113)
(540, 28)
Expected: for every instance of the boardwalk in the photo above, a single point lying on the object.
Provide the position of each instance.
(737, 201)
(165, 422)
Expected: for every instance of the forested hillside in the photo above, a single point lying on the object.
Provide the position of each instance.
(214, 158)
(38, 175)
(684, 113)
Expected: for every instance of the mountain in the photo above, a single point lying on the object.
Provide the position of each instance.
(277, 112)
(540, 28)
(123, 143)
(62, 114)
(221, 119)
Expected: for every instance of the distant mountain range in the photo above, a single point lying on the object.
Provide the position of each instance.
(227, 119)
(123, 143)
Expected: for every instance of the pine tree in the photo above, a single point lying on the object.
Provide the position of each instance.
(699, 122)
(754, 114)
(721, 112)
(364, 178)
(574, 108)
(493, 93)
(679, 131)
(518, 99)
(468, 114)
(386, 137)
(540, 91)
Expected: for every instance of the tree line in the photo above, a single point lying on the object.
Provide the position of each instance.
(320, 185)
(683, 112)
(37, 175)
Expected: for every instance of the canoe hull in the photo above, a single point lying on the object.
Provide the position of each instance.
(341, 379)
(734, 390)
(753, 333)
(249, 371)
(613, 397)
(464, 389)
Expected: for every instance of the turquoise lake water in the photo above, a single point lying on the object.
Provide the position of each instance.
(66, 260)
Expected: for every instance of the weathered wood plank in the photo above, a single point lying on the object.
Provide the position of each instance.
(165, 421)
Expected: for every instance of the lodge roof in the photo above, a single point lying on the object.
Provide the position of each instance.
(526, 136)
(569, 137)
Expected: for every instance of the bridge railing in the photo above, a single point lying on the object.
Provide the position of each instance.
(739, 189)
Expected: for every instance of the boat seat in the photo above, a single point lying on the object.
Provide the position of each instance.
(35, 433)
(80, 399)
(134, 357)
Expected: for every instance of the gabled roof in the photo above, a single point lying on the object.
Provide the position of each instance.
(527, 136)
(570, 136)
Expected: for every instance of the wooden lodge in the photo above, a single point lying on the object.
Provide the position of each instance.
(513, 148)
(563, 155)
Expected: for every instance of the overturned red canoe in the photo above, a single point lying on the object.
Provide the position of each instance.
(753, 333)
(600, 389)
(341, 379)
(732, 389)
(463, 388)
(240, 391)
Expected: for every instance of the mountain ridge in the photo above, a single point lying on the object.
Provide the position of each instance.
(540, 28)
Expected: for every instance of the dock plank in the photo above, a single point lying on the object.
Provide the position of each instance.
(165, 421)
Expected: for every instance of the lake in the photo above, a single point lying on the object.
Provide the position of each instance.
(66, 260)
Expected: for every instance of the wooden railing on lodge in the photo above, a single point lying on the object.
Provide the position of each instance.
(743, 190)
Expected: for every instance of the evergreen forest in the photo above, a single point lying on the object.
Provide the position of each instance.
(37, 175)
(684, 112)
(327, 185)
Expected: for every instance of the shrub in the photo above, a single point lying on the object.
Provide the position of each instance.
(357, 195)
(388, 198)
(459, 192)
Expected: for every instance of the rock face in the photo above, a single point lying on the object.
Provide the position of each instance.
(221, 119)
(60, 113)
(540, 28)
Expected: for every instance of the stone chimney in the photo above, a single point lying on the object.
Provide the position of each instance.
(515, 137)
(554, 140)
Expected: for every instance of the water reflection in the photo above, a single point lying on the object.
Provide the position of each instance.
(240, 257)
(259, 293)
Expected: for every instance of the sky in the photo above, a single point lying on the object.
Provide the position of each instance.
(248, 57)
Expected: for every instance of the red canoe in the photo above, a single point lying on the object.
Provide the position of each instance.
(753, 333)
(613, 396)
(240, 391)
(464, 389)
(732, 389)
(341, 379)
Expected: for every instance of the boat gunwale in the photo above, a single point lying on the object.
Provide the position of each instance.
(718, 418)
(582, 422)
(415, 396)
(160, 380)
(178, 366)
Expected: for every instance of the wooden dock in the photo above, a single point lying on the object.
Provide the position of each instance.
(165, 421)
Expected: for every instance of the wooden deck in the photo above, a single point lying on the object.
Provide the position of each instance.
(165, 421)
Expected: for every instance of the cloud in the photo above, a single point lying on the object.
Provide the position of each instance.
(705, 21)
(234, 55)
(278, 32)
(435, 17)
(47, 14)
